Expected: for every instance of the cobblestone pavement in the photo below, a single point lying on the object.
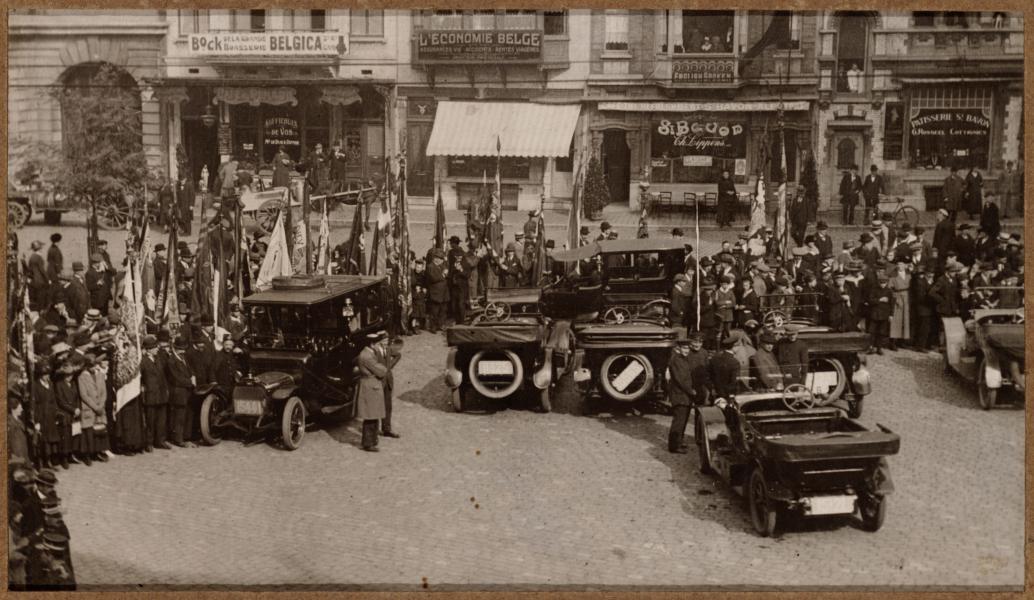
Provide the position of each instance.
(509, 497)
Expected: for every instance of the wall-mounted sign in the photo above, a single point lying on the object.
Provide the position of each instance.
(477, 46)
(969, 122)
(703, 71)
(697, 161)
(698, 136)
(281, 131)
(225, 139)
(268, 43)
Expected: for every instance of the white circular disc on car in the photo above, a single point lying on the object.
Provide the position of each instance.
(496, 374)
(626, 376)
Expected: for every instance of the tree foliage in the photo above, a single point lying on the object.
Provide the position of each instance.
(596, 193)
(101, 153)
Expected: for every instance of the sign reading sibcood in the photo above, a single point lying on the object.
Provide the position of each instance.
(269, 43)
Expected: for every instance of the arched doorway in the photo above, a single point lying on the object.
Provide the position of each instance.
(617, 164)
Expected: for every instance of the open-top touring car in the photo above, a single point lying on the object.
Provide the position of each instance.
(303, 337)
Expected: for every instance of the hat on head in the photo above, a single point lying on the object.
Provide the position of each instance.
(876, 224)
(150, 342)
(51, 328)
(855, 265)
(768, 338)
(96, 257)
(694, 337)
(840, 274)
(707, 283)
(768, 229)
(159, 247)
(376, 336)
(706, 261)
(730, 340)
(102, 242)
(21, 476)
(584, 230)
(761, 266)
(55, 237)
(518, 235)
(792, 328)
(821, 226)
(728, 278)
(93, 315)
(454, 239)
(799, 251)
(511, 247)
(532, 213)
(604, 226)
(78, 267)
(726, 258)
(865, 237)
(550, 244)
(1004, 237)
(181, 343)
(59, 347)
(71, 323)
(437, 253)
(943, 211)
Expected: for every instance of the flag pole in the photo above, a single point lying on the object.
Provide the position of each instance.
(696, 263)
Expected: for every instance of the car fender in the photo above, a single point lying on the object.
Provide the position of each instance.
(713, 421)
(281, 394)
(992, 371)
(861, 381)
(954, 340)
(544, 376)
(453, 376)
(774, 487)
(204, 390)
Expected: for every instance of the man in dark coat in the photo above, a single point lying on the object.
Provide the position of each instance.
(66, 399)
(681, 395)
(97, 284)
(338, 163)
(954, 188)
(943, 236)
(55, 260)
(181, 383)
(843, 301)
(872, 188)
(727, 198)
(510, 268)
(725, 370)
(922, 308)
(161, 268)
(282, 166)
(437, 290)
(945, 294)
(989, 217)
(390, 354)
(155, 395)
(965, 246)
(881, 307)
(850, 187)
(822, 240)
(39, 281)
(974, 192)
(764, 365)
(459, 288)
(792, 354)
(77, 295)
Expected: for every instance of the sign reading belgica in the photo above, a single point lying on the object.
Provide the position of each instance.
(269, 43)
(476, 46)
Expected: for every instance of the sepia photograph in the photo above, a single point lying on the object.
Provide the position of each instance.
(587, 299)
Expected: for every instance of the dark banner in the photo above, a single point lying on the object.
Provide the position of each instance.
(477, 46)
(698, 135)
(950, 122)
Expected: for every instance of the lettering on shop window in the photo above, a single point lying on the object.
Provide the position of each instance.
(681, 137)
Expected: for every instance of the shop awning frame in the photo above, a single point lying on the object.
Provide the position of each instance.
(688, 107)
(510, 129)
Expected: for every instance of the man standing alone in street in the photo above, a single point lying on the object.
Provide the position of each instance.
(373, 372)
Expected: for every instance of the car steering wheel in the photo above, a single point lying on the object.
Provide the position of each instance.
(617, 315)
(775, 319)
(496, 311)
(796, 396)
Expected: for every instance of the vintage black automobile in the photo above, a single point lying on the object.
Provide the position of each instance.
(507, 349)
(836, 360)
(623, 334)
(789, 455)
(303, 337)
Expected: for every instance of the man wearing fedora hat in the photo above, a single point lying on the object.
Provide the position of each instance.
(843, 300)
(768, 375)
(373, 373)
(155, 395)
(881, 307)
(181, 382)
(76, 293)
(681, 394)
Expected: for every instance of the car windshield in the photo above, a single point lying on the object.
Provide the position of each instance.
(279, 321)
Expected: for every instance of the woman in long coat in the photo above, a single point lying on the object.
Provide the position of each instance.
(45, 413)
(66, 399)
(900, 319)
(370, 408)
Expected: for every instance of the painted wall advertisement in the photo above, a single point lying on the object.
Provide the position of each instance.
(478, 46)
(281, 131)
(698, 136)
(953, 122)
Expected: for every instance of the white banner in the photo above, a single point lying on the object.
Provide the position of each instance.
(268, 43)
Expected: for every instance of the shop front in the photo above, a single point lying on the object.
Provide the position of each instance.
(529, 142)
(681, 148)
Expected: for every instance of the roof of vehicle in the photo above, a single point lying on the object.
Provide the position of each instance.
(620, 246)
(336, 285)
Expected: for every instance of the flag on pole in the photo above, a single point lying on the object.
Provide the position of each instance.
(323, 244)
(497, 206)
(278, 257)
(439, 221)
(169, 300)
(644, 227)
(403, 267)
(127, 342)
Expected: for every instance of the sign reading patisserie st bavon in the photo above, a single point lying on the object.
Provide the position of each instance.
(512, 45)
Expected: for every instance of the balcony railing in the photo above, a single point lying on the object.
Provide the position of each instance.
(939, 43)
(698, 69)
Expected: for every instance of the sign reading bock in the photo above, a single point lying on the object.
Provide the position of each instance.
(269, 43)
(698, 136)
(477, 46)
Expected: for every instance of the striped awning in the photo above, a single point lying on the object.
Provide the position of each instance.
(688, 107)
(519, 128)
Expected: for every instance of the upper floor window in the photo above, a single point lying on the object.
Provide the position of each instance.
(482, 19)
(519, 19)
(367, 23)
(852, 51)
(923, 18)
(616, 30)
(248, 20)
(554, 22)
(193, 21)
(705, 31)
(300, 19)
(446, 19)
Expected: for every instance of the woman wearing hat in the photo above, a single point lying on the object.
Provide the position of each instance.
(901, 318)
(55, 259)
(66, 399)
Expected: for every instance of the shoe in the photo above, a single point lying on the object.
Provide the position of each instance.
(164, 446)
(148, 448)
(179, 444)
(87, 461)
(73, 459)
(102, 457)
(109, 453)
(189, 445)
(390, 434)
(371, 449)
(679, 450)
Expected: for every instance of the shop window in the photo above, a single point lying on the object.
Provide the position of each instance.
(555, 22)
(367, 23)
(950, 126)
(852, 45)
(696, 148)
(246, 129)
(520, 19)
(193, 21)
(478, 166)
(248, 20)
(616, 29)
(923, 18)
(473, 192)
(846, 151)
(704, 31)
(307, 20)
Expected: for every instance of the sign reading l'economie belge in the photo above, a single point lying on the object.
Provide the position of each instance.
(476, 46)
(268, 43)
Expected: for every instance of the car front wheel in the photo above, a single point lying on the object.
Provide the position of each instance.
(988, 396)
(762, 513)
(210, 409)
(292, 423)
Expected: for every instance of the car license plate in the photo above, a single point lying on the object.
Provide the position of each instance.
(831, 505)
(821, 381)
(626, 377)
(247, 407)
(495, 367)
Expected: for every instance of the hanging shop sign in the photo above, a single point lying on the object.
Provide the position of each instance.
(703, 71)
(478, 46)
(954, 122)
(281, 131)
(268, 43)
(699, 136)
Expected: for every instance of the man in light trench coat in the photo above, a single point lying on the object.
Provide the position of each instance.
(375, 383)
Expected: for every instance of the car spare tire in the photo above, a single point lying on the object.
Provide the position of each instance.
(496, 374)
(299, 282)
(627, 376)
